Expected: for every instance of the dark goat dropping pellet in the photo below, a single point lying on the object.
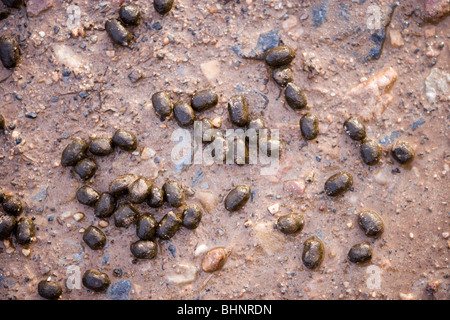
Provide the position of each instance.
(168, 226)
(9, 52)
(162, 6)
(2, 122)
(86, 168)
(74, 152)
(87, 195)
(295, 97)
(130, 15)
(313, 252)
(94, 238)
(25, 230)
(146, 227)
(105, 205)
(143, 249)
(183, 113)
(238, 110)
(125, 140)
(371, 223)
(338, 183)
(402, 152)
(204, 99)
(191, 216)
(155, 197)
(7, 224)
(119, 186)
(95, 280)
(16, 4)
(309, 126)
(173, 194)
(12, 205)
(370, 151)
(282, 76)
(237, 198)
(125, 215)
(360, 253)
(139, 190)
(355, 129)
(118, 33)
(279, 56)
(162, 103)
(50, 290)
(101, 146)
(291, 223)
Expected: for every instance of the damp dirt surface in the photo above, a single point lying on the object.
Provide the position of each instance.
(384, 62)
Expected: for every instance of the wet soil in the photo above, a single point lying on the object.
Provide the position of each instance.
(77, 83)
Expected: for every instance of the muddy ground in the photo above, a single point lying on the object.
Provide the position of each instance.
(210, 43)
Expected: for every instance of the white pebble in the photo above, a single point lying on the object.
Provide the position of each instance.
(200, 250)
(275, 208)
(78, 216)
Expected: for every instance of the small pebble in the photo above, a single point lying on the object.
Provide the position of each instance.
(214, 260)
